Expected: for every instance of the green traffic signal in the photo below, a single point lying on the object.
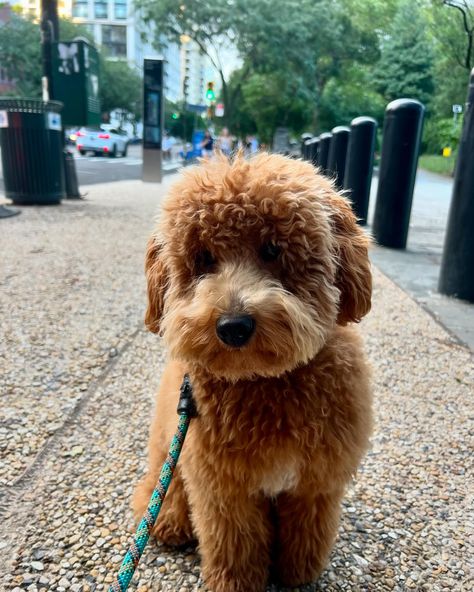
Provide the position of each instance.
(210, 94)
(175, 116)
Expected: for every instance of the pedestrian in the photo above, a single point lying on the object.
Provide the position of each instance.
(253, 144)
(166, 146)
(207, 145)
(225, 142)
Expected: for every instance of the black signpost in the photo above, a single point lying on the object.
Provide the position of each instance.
(153, 115)
(75, 72)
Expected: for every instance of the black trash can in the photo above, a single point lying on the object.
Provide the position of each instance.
(31, 142)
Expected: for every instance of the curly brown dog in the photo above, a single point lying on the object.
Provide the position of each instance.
(254, 275)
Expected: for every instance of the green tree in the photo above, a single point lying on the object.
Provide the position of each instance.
(405, 68)
(464, 52)
(268, 101)
(20, 49)
(120, 87)
(267, 34)
(349, 96)
(20, 54)
(454, 56)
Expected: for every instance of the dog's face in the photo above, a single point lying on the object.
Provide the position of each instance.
(253, 264)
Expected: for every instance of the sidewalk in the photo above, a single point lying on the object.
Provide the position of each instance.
(78, 379)
(417, 268)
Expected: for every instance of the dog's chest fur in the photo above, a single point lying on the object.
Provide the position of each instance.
(282, 476)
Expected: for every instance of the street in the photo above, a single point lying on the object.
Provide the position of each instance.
(97, 169)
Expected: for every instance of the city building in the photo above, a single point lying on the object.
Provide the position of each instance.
(196, 72)
(115, 26)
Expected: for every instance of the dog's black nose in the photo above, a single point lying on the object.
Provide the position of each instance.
(235, 330)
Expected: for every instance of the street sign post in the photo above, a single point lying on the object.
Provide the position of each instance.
(76, 82)
(153, 116)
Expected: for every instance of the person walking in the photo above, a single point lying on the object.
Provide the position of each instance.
(224, 142)
(207, 145)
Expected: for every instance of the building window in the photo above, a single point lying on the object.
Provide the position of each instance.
(114, 38)
(80, 9)
(120, 9)
(100, 9)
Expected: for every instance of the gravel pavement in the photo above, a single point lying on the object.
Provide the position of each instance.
(77, 381)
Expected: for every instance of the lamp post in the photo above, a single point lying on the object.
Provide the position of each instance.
(49, 34)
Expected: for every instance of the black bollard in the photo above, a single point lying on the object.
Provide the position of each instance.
(360, 164)
(324, 144)
(307, 150)
(401, 144)
(304, 137)
(457, 264)
(70, 176)
(338, 154)
(314, 151)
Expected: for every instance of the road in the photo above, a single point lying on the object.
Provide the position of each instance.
(97, 169)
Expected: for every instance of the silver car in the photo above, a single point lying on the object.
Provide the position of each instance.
(109, 141)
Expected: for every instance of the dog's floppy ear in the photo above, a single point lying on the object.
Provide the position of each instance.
(354, 278)
(157, 280)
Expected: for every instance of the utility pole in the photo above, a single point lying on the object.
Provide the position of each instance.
(49, 34)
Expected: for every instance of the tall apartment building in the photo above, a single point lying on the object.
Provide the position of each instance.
(115, 26)
(196, 72)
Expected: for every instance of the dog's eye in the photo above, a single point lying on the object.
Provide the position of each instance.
(269, 252)
(205, 262)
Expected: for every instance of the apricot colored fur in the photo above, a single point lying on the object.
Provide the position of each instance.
(284, 420)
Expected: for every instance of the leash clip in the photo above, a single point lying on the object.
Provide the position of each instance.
(186, 405)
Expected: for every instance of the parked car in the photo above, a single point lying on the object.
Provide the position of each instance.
(71, 135)
(110, 142)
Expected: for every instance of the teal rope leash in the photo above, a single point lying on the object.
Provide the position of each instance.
(186, 411)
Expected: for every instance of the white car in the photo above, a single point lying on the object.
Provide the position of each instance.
(108, 141)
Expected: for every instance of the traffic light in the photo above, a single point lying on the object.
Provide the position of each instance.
(210, 94)
(175, 115)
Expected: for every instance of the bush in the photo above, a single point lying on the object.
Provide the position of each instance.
(439, 133)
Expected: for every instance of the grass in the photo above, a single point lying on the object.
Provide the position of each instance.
(436, 163)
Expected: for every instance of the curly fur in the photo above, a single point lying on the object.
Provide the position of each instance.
(284, 420)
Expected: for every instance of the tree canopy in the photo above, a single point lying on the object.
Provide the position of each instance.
(20, 52)
(305, 64)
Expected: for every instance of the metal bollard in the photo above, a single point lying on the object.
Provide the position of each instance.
(324, 144)
(313, 149)
(338, 154)
(401, 144)
(70, 176)
(307, 150)
(457, 264)
(304, 137)
(360, 164)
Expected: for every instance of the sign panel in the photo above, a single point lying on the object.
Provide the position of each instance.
(76, 82)
(152, 104)
(53, 121)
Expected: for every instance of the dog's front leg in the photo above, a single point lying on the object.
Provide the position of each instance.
(234, 533)
(307, 526)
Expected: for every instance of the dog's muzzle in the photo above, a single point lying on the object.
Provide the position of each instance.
(235, 330)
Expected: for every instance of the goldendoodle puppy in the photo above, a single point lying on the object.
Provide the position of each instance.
(254, 275)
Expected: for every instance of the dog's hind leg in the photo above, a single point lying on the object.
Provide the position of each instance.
(307, 526)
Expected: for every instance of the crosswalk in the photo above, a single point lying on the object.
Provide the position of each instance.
(126, 161)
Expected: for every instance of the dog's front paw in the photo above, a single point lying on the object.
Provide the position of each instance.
(172, 533)
(290, 576)
(222, 581)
